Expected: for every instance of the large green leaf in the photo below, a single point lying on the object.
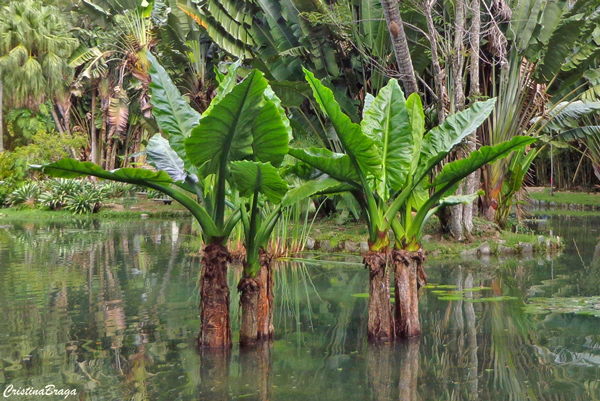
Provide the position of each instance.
(416, 115)
(225, 86)
(336, 165)
(174, 115)
(387, 123)
(442, 139)
(249, 176)
(226, 133)
(308, 189)
(71, 168)
(164, 158)
(478, 158)
(270, 135)
(356, 144)
(159, 180)
(272, 96)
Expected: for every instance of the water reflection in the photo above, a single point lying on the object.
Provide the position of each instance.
(110, 309)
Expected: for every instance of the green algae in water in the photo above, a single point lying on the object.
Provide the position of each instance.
(585, 306)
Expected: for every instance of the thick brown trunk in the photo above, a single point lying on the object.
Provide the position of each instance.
(215, 329)
(256, 299)
(391, 10)
(381, 321)
(409, 276)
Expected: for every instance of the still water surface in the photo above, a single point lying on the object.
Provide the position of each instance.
(110, 309)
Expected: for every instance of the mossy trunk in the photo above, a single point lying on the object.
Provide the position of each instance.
(256, 300)
(381, 321)
(410, 276)
(215, 329)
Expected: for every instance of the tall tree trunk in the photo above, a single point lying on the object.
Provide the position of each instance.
(93, 132)
(381, 321)
(1, 118)
(256, 299)
(215, 325)
(456, 221)
(472, 181)
(438, 75)
(395, 25)
(408, 269)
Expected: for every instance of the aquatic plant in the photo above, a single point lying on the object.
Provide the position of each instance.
(386, 165)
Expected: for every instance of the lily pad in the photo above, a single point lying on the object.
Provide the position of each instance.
(585, 306)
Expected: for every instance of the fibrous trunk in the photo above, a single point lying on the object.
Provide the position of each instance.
(215, 329)
(409, 274)
(256, 299)
(381, 322)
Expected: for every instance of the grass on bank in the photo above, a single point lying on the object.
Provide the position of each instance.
(578, 198)
(326, 228)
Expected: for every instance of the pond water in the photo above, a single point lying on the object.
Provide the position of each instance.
(109, 309)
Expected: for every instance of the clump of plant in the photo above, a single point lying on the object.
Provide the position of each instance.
(57, 191)
(154, 194)
(85, 201)
(112, 189)
(24, 196)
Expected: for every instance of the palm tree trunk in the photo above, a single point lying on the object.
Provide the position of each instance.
(391, 11)
(256, 300)
(1, 118)
(93, 132)
(472, 181)
(381, 321)
(409, 273)
(438, 76)
(215, 325)
(456, 220)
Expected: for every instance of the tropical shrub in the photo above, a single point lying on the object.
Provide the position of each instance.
(85, 201)
(387, 165)
(25, 196)
(113, 189)
(57, 191)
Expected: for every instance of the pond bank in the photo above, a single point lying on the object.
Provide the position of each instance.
(327, 235)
